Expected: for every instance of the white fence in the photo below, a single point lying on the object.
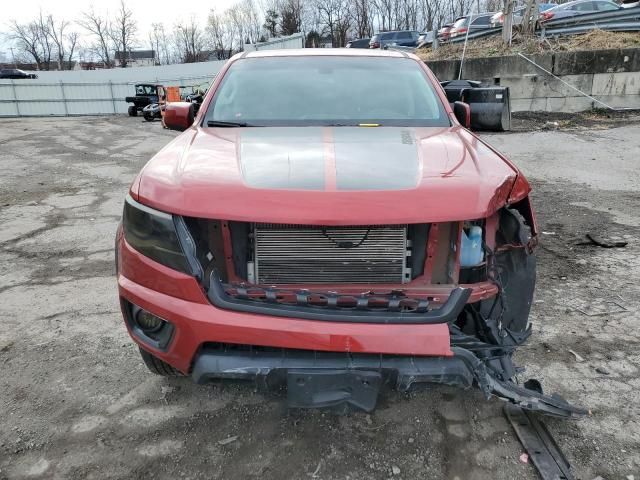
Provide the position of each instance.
(96, 92)
(292, 41)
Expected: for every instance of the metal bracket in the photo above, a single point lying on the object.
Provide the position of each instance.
(543, 451)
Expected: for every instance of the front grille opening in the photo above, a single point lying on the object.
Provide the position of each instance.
(284, 254)
(302, 254)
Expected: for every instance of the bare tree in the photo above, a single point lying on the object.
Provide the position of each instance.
(64, 43)
(159, 42)
(123, 33)
(386, 13)
(27, 38)
(362, 17)
(220, 35)
(72, 42)
(57, 34)
(433, 14)
(190, 41)
(235, 19)
(334, 17)
(407, 18)
(291, 14)
(100, 29)
(33, 40)
(45, 39)
(252, 20)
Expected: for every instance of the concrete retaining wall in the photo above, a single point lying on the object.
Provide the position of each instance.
(611, 76)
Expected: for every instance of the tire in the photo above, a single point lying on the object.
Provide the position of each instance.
(133, 111)
(148, 118)
(157, 366)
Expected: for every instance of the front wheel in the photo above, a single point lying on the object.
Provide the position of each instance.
(133, 111)
(157, 366)
(148, 117)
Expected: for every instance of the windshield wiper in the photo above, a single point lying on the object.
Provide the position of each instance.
(218, 123)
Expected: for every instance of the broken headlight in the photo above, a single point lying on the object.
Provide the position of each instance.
(160, 236)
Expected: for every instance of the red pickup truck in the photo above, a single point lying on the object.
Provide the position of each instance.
(327, 223)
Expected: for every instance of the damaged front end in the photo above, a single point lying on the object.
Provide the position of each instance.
(485, 308)
(487, 332)
(336, 313)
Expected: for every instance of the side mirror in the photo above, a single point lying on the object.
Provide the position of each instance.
(462, 111)
(178, 116)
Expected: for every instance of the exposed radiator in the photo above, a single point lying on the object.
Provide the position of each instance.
(311, 254)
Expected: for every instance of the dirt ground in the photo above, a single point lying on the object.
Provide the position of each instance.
(76, 402)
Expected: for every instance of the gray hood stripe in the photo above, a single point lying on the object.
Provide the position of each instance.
(345, 158)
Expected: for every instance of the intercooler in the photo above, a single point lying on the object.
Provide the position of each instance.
(285, 254)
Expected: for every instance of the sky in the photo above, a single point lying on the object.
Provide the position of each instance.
(146, 12)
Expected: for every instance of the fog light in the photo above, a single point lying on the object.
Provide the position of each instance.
(148, 322)
(146, 327)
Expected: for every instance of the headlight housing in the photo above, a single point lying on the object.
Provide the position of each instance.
(160, 236)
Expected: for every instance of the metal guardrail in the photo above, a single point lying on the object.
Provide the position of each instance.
(577, 29)
(472, 36)
(626, 14)
(624, 20)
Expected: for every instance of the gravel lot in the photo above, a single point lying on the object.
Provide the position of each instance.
(77, 402)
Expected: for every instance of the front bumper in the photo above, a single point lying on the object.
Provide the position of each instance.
(199, 323)
(400, 354)
(179, 299)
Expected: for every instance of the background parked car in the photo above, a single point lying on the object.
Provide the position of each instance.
(16, 74)
(425, 38)
(443, 32)
(359, 43)
(630, 3)
(578, 7)
(403, 38)
(498, 19)
(478, 22)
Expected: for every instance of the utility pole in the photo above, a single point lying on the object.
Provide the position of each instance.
(13, 56)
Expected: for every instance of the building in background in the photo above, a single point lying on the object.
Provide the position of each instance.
(136, 58)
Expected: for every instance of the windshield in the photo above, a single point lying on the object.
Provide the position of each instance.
(145, 90)
(324, 90)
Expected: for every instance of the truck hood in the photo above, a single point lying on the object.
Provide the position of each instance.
(327, 175)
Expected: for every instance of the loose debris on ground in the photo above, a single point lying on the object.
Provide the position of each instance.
(598, 119)
(77, 402)
(531, 45)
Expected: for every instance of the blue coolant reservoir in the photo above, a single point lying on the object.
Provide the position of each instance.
(471, 253)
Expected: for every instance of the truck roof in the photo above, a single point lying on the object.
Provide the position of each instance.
(326, 52)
